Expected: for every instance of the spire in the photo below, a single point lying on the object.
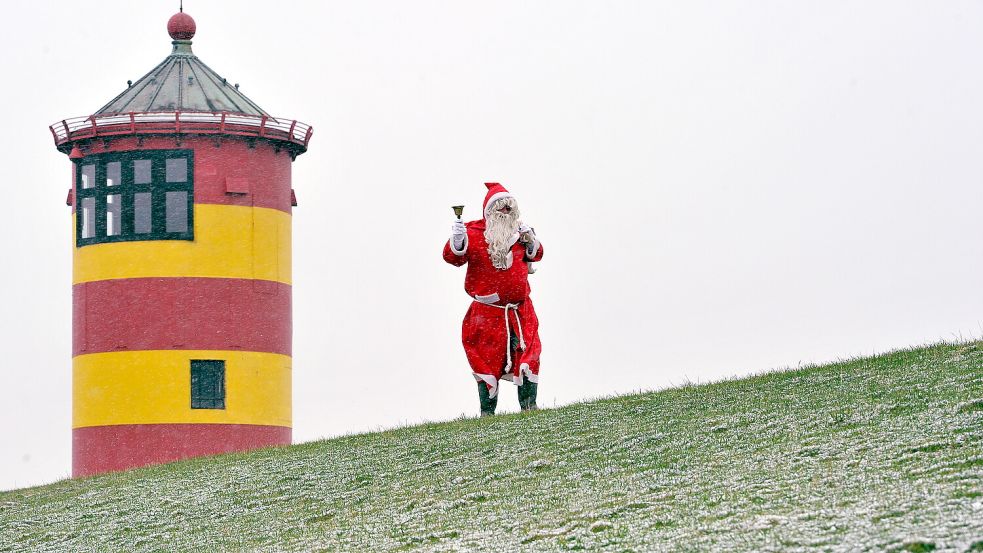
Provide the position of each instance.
(181, 82)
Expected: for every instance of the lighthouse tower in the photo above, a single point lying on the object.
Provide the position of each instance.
(181, 206)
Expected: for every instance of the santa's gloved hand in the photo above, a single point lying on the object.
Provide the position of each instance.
(526, 234)
(459, 234)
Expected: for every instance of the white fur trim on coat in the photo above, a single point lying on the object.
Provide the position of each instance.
(490, 299)
(494, 198)
(464, 248)
(525, 373)
(490, 380)
(524, 369)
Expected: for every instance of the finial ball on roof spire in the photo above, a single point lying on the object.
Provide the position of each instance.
(181, 26)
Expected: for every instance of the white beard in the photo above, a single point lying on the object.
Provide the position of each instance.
(501, 232)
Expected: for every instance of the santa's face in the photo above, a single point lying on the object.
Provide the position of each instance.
(501, 231)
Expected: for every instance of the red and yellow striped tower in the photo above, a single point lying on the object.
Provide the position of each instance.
(182, 198)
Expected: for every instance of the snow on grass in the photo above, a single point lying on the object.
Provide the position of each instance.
(879, 454)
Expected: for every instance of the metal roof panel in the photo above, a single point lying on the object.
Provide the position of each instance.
(181, 82)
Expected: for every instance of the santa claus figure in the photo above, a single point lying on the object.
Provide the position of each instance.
(500, 331)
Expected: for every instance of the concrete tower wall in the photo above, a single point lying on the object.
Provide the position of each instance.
(143, 310)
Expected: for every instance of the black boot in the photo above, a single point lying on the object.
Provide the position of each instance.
(527, 395)
(488, 404)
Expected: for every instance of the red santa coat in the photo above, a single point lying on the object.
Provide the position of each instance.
(501, 304)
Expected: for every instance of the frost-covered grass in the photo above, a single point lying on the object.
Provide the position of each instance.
(880, 454)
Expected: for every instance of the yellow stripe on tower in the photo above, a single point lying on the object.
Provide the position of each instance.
(154, 387)
(230, 242)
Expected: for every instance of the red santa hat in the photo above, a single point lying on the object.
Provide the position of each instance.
(495, 192)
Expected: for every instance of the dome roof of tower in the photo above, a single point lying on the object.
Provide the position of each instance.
(181, 82)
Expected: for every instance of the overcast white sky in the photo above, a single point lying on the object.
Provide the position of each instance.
(721, 187)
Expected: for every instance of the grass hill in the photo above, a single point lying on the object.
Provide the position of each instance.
(877, 454)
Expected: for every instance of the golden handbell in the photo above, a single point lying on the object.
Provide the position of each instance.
(458, 210)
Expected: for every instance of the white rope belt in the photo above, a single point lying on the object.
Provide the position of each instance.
(514, 307)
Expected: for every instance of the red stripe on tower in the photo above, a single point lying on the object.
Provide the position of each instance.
(98, 449)
(201, 313)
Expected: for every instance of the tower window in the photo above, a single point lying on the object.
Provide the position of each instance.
(207, 384)
(177, 212)
(141, 212)
(142, 195)
(113, 215)
(87, 218)
(113, 173)
(141, 171)
(87, 176)
(176, 169)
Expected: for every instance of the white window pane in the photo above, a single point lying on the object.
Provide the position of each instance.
(141, 171)
(176, 212)
(88, 217)
(88, 176)
(113, 173)
(112, 215)
(142, 213)
(176, 170)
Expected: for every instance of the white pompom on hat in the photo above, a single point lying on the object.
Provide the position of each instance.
(495, 192)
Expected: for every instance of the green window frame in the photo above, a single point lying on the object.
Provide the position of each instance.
(137, 195)
(207, 384)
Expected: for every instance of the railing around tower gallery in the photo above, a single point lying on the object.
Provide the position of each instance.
(191, 122)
